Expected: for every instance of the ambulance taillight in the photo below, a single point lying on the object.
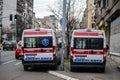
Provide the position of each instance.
(72, 52)
(22, 49)
(54, 51)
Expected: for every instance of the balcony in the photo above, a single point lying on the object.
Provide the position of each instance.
(114, 11)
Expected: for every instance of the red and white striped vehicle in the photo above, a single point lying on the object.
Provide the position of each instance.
(39, 47)
(88, 49)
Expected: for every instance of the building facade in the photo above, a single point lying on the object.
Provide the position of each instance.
(24, 16)
(83, 24)
(18, 16)
(88, 17)
(107, 17)
(9, 8)
(90, 13)
(1, 13)
(49, 22)
(37, 23)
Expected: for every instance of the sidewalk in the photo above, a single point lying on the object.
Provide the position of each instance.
(115, 57)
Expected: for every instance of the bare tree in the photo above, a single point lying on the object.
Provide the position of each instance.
(74, 11)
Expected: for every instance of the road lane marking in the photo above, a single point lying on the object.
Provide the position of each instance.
(18, 63)
(61, 75)
(8, 61)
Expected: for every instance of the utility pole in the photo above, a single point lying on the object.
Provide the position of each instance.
(63, 34)
(0, 32)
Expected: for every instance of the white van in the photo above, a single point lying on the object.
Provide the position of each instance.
(39, 48)
(88, 49)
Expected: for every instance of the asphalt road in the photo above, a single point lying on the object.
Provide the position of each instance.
(12, 69)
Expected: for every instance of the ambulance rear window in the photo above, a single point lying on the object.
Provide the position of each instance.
(38, 42)
(88, 43)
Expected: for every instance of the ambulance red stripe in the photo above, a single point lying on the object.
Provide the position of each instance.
(86, 33)
(39, 51)
(36, 33)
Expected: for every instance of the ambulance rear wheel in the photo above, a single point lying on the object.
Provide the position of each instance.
(25, 68)
(102, 70)
(71, 68)
(54, 67)
(17, 57)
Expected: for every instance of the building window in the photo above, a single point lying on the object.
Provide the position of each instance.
(99, 3)
(103, 4)
(107, 3)
(115, 1)
(115, 26)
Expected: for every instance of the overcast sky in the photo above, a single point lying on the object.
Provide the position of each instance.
(41, 7)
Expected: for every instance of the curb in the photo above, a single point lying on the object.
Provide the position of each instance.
(61, 75)
(114, 54)
(118, 64)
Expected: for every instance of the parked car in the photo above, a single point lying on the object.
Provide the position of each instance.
(18, 51)
(7, 45)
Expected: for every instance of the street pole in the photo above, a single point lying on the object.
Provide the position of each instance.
(0, 36)
(15, 32)
(63, 35)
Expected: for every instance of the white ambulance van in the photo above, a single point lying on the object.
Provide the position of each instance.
(39, 47)
(88, 49)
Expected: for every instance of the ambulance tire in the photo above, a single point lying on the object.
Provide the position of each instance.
(17, 57)
(25, 67)
(71, 68)
(54, 67)
(59, 62)
(102, 70)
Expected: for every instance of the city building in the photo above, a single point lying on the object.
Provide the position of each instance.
(107, 17)
(24, 16)
(83, 24)
(17, 16)
(54, 22)
(1, 13)
(37, 23)
(8, 24)
(90, 14)
(49, 22)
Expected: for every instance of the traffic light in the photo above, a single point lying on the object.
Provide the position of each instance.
(11, 17)
(0, 26)
(15, 17)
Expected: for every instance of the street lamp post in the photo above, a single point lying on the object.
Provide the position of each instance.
(63, 34)
(0, 33)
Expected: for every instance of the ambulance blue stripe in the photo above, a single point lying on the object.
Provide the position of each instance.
(87, 60)
(37, 59)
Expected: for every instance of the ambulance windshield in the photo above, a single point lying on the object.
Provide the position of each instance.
(38, 42)
(88, 43)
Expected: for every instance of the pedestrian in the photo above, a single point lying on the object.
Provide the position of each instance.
(107, 47)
